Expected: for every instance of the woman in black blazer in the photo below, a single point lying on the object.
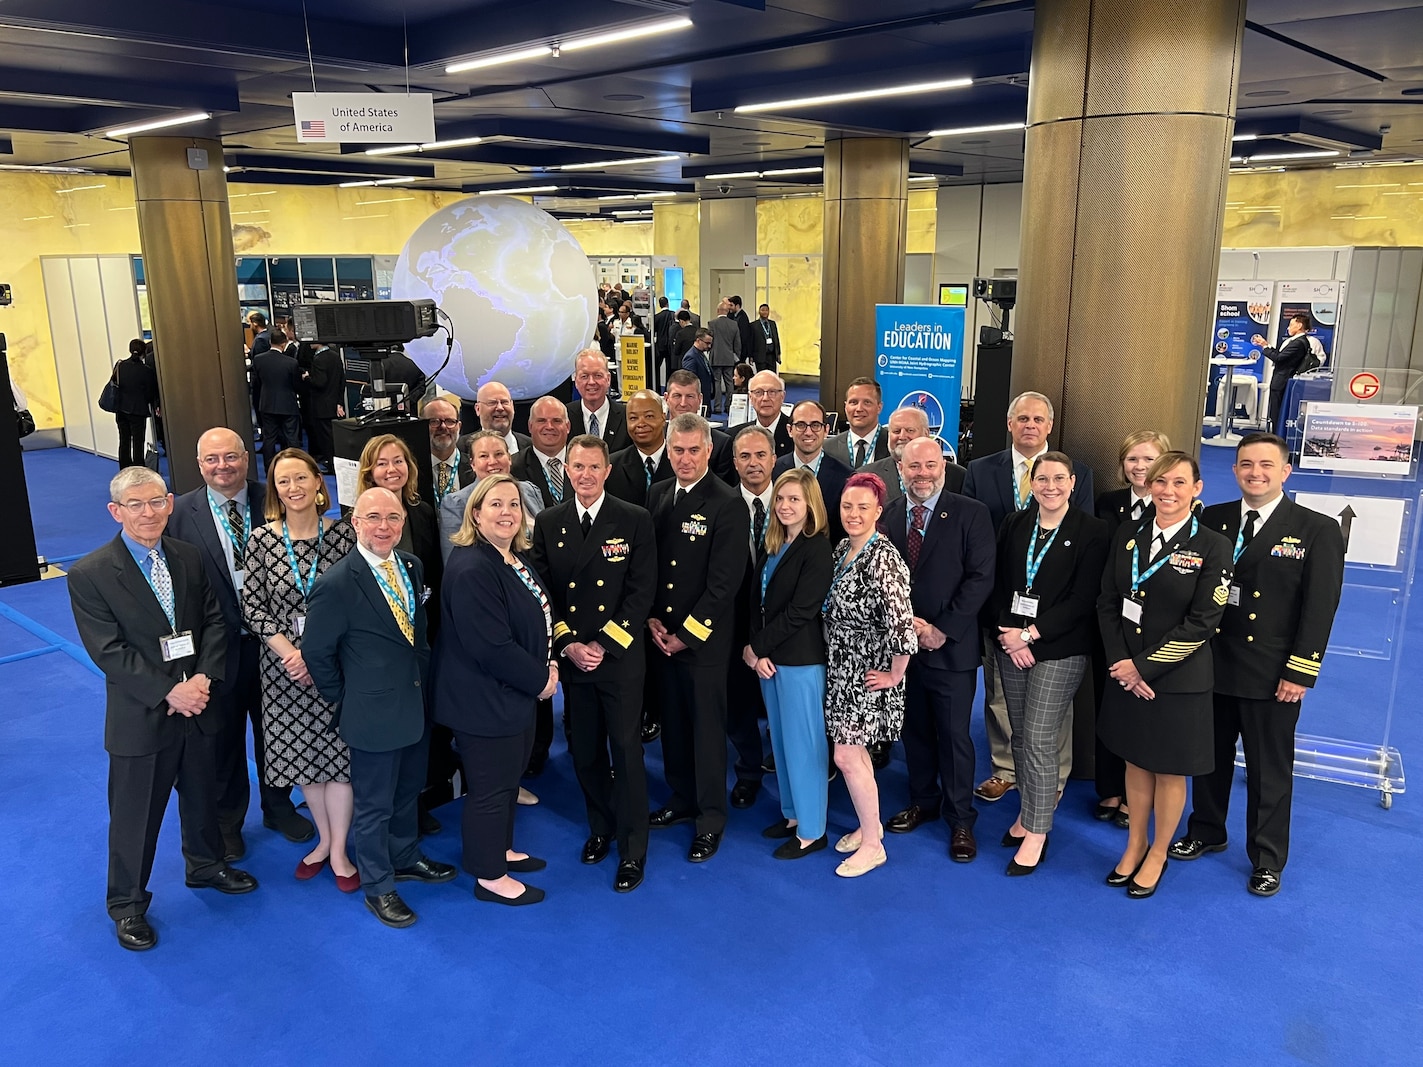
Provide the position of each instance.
(1163, 593)
(1132, 503)
(1049, 572)
(492, 663)
(136, 389)
(787, 651)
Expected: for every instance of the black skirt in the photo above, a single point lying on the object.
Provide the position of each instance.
(1172, 734)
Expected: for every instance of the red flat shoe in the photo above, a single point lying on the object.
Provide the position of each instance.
(348, 883)
(307, 871)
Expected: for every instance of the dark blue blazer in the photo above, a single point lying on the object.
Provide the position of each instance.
(954, 578)
(831, 478)
(491, 659)
(361, 662)
(192, 521)
(990, 481)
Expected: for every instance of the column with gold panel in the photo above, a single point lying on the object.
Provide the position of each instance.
(185, 230)
(866, 226)
(1131, 108)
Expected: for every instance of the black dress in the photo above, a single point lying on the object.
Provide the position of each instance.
(1181, 604)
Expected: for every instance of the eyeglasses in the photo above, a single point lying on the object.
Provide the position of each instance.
(158, 505)
(767, 392)
(1056, 479)
(443, 422)
(229, 457)
(378, 520)
(801, 427)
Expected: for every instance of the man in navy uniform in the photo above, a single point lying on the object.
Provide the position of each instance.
(1289, 571)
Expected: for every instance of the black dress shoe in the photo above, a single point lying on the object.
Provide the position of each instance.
(1190, 848)
(743, 793)
(1105, 812)
(295, 828)
(879, 754)
(704, 847)
(391, 910)
(651, 732)
(1009, 841)
(792, 849)
(426, 870)
(962, 846)
(429, 825)
(1141, 892)
(233, 846)
(135, 934)
(1264, 882)
(1018, 870)
(778, 830)
(595, 849)
(910, 819)
(530, 895)
(768, 765)
(227, 880)
(629, 876)
(665, 817)
(527, 865)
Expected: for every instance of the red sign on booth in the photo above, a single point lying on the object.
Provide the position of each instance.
(1364, 385)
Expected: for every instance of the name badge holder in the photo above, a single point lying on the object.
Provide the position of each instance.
(1025, 604)
(303, 585)
(177, 645)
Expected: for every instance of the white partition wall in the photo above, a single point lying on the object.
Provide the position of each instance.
(93, 314)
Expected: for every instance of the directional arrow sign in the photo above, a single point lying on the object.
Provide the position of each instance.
(1346, 523)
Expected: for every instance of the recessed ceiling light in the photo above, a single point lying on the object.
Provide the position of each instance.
(519, 191)
(61, 142)
(380, 181)
(1269, 92)
(630, 162)
(498, 60)
(999, 127)
(857, 94)
(624, 97)
(631, 33)
(159, 124)
(1325, 154)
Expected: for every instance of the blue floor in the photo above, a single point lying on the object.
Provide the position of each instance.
(744, 960)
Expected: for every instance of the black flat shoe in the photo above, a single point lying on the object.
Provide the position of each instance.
(1116, 879)
(1122, 820)
(1017, 870)
(1141, 892)
(703, 848)
(595, 849)
(1009, 841)
(1264, 882)
(135, 934)
(792, 849)
(779, 830)
(426, 870)
(391, 910)
(1105, 812)
(664, 817)
(629, 876)
(527, 865)
(228, 880)
(530, 895)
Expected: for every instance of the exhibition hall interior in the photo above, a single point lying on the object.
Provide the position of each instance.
(1203, 220)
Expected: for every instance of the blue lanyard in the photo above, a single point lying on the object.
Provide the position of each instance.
(845, 564)
(766, 571)
(170, 609)
(1034, 565)
(304, 587)
(220, 514)
(816, 469)
(1137, 579)
(442, 490)
(406, 595)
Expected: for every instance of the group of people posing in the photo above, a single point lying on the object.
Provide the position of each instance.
(681, 582)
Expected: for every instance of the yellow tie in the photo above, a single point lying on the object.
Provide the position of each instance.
(1025, 488)
(397, 606)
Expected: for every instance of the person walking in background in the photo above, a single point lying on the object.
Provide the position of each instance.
(726, 351)
(135, 394)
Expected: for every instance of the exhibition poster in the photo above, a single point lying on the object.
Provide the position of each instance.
(919, 363)
(1359, 438)
(1242, 310)
(632, 374)
(1318, 300)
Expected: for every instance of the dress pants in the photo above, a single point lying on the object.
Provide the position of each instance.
(722, 379)
(744, 708)
(139, 788)
(278, 432)
(938, 707)
(1038, 698)
(1266, 729)
(795, 712)
(133, 437)
(652, 686)
(240, 705)
(442, 765)
(543, 728)
(323, 443)
(602, 714)
(694, 735)
(385, 828)
(1000, 730)
(492, 767)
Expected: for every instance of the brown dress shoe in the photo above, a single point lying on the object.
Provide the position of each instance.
(963, 848)
(991, 789)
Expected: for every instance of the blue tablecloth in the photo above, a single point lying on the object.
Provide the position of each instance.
(1297, 391)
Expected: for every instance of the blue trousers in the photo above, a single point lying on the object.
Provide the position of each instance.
(795, 710)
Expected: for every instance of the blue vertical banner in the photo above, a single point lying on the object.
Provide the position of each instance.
(919, 363)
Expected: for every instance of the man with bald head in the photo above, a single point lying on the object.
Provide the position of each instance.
(905, 425)
(218, 519)
(541, 464)
(366, 650)
(495, 407)
(593, 412)
(767, 392)
(637, 468)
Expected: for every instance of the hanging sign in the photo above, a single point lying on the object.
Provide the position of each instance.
(364, 118)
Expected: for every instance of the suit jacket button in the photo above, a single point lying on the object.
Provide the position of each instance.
(572, 607)
(1256, 593)
(572, 585)
(417, 683)
(1138, 629)
(600, 581)
(1249, 637)
(674, 563)
(1252, 615)
(669, 585)
(601, 608)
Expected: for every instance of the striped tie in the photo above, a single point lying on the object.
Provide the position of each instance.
(397, 605)
(555, 479)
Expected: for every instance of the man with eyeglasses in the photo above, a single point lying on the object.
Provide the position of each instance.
(541, 464)
(808, 430)
(767, 392)
(594, 412)
(696, 360)
(495, 407)
(218, 519)
(366, 650)
(449, 465)
(148, 618)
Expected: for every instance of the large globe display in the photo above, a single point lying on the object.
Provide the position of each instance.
(516, 284)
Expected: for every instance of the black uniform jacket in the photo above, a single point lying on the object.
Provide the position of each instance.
(701, 557)
(1114, 508)
(627, 475)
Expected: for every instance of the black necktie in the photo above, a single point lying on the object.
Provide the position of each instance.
(650, 470)
(234, 518)
(587, 522)
(1248, 534)
(758, 525)
(677, 500)
(859, 453)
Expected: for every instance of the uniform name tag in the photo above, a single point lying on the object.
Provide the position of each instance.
(1131, 610)
(1024, 605)
(298, 624)
(177, 646)
(1234, 599)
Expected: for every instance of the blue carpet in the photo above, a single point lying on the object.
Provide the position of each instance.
(744, 960)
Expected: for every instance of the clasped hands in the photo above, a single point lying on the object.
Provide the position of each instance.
(585, 655)
(763, 667)
(190, 696)
(1018, 650)
(665, 639)
(1126, 675)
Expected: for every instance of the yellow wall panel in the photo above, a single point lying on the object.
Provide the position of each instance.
(1380, 205)
(923, 220)
(676, 231)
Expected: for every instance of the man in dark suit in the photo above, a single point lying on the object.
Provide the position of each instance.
(633, 471)
(864, 440)
(598, 558)
(906, 424)
(767, 392)
(494, 407)
(366, 651)
(218, 519)
(684, 397)
(1291, 358)
(541, 463)
(664, 325)
(692, 316)
(150, 622)
(594, 412)
(1289, 572)
(328, 400)
(261, 336)
(808, 431)
(277, 375)
(724, 354)
(948, 544)
(1001, 481)
(766, 337)
(700, 524)
(743, 326)
(449, 465)
(683, 334)
(404, 380)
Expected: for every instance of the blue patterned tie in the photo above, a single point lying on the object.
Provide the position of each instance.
(593, 426)
(162, 585)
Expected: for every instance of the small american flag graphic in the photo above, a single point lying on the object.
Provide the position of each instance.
(313, 130)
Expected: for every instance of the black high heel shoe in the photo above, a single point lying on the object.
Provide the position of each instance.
(1017, 870)
(1141, 892)
(1009, 841)
(1116, 879)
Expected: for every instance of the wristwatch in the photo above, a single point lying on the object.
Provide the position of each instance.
(1026, 637)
